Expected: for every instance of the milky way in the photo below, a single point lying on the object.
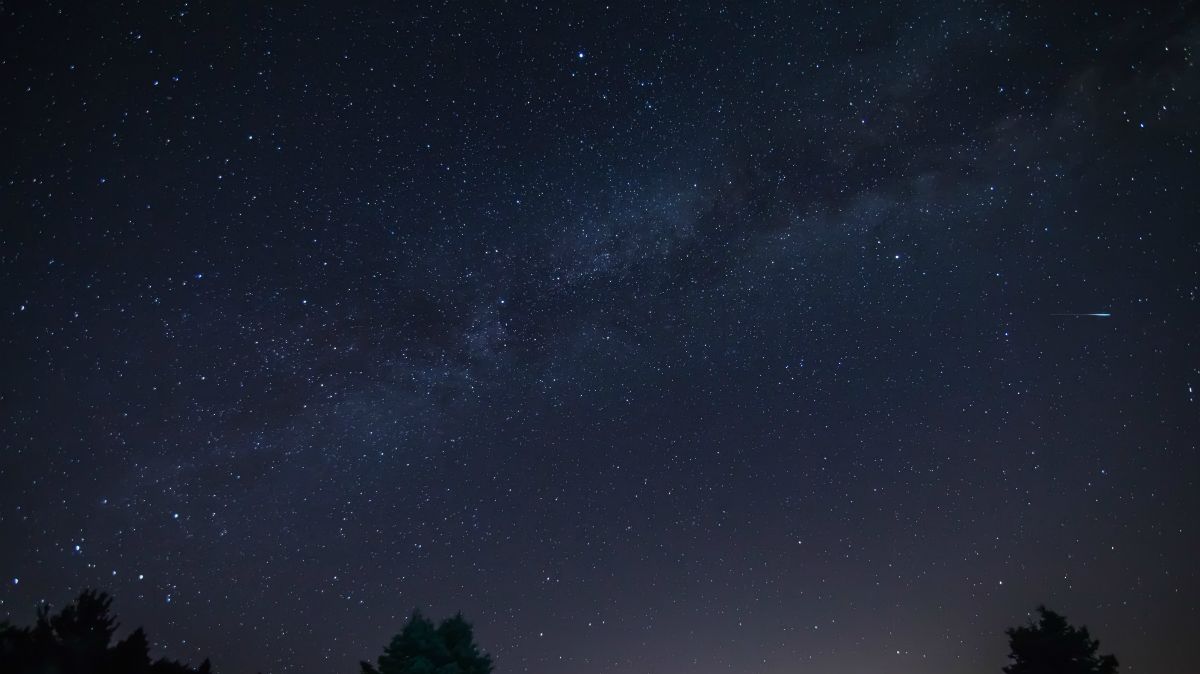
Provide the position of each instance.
(698, 335)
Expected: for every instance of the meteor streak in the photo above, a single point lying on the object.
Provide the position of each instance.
(1097, 315)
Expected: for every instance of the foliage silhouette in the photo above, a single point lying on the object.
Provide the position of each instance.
(1053, 646)
(76, 641)
(420, 648)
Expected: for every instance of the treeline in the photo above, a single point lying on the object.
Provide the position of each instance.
(79, 640)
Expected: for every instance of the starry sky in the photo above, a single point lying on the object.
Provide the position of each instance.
(729, 337)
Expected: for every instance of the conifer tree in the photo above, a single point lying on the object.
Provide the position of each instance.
(420, 648)
(1053, 646)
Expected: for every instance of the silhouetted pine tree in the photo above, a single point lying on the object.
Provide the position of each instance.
(1053, 646)
(76, 641)
(422, 649)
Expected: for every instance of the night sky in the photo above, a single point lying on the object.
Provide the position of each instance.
(699, 336)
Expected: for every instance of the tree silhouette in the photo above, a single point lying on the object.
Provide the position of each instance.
(1053, 646)
(76, 641)
(420, 648)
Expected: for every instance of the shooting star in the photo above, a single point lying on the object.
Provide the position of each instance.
(1096, 315)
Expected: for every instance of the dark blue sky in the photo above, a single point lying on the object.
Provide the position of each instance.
(724, 337)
